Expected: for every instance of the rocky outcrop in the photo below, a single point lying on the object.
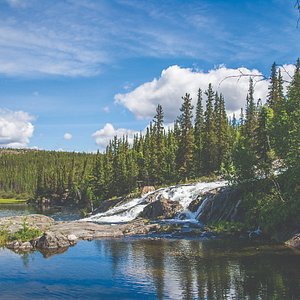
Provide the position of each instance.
(106, 205)
(162, 208)
(221, 205)
(58, 236)
(13, 224)
(53, 240)
(294, 241)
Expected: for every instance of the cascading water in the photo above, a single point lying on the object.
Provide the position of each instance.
(184, 194)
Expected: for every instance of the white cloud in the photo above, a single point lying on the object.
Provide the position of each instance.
(106, 109)
(16, 128)
(108, 132)
(68, 136)
(175, 81)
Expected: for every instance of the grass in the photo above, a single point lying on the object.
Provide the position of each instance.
(25, 234)
(12, 201)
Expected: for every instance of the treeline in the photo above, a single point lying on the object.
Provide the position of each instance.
(263, 140)
(62, 176)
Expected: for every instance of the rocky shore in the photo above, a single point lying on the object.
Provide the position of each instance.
(58, 236)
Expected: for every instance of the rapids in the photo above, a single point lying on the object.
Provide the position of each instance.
(184, 194)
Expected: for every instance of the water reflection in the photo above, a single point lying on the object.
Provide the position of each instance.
(185, 269)
(57, 213)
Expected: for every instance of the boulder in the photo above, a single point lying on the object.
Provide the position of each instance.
(294, 242)
(51, 240)
(162, 208)
(147, 189)
(221, 205)
(26, 246)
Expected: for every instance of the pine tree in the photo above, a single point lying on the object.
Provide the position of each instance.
(264, 152)
(199, 128)
(209, 137)
(273, 88)
(159, 143)
(186, 140)
(222, 132)
(293, 110)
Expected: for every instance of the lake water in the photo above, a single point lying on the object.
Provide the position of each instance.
(147, 268)
(57, 213)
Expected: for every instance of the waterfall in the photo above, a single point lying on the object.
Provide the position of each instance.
(184, 194)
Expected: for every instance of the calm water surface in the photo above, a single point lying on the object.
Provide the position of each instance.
(58, 213)
(148, 268)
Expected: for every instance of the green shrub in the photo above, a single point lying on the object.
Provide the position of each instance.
(4, 237)
(226, 227)
(25, 234)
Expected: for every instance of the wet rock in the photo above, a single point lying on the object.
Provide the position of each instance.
(151, 197)
(106, 205)
(25, 246)
(13, 245)
(162, 208)
(139, 227)
(51, 240)
(221, 205)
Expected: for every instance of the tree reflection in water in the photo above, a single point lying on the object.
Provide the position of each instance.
(220, 269)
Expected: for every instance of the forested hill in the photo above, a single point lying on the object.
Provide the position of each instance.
(246, 149)
(29, 173)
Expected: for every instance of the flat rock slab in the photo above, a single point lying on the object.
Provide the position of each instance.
(13, 224)
(64, 234)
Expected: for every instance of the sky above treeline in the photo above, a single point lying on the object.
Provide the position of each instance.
(74, 73)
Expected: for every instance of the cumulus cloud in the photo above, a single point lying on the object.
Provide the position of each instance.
(108, 132)
(68, 136)
(16, 128)
(175, 81)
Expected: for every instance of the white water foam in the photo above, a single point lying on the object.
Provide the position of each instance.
(184, 194)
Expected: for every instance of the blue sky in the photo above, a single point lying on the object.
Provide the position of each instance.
(94, 69)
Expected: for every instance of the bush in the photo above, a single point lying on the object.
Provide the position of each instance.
(26, 233)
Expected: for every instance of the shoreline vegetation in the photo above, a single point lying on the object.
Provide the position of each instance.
(258, 153)
(12, 201)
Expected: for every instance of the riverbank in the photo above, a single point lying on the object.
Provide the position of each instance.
(57, 236)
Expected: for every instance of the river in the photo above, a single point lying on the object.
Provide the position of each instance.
(145, 268)
(150, 268)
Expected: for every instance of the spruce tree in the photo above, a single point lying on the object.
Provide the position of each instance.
(199, 130)
(186, 140)
(159, 143)
(209, 137)
(273, 88)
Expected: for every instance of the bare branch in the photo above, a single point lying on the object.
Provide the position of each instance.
(256, 77)
(242, 74)
(286, 72)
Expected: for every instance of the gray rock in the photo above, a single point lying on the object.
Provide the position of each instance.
(51, 240)
(72, 238)
(162, 208)
(106, 205)
(294, 242)
(13, 245)
(25, 246)
(221, 205)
